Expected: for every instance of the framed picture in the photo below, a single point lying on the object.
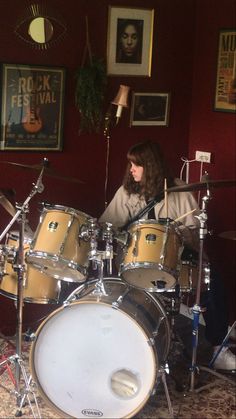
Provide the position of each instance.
(129, 41)
(32, 107)
(225, 94)
(150, 109)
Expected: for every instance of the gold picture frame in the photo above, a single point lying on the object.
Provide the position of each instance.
(129, 41)
(149, 109)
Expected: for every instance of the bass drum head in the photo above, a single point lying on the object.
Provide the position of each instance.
(92, 359)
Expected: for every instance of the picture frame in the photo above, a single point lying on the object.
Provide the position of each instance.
(225, 91)
(32, 107)
(129, 41)
(148, 109)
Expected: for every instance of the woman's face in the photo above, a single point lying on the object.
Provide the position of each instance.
(136, 172)
(129, 40)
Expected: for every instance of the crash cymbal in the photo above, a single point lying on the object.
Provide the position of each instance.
(231, 235)
(5, 202)
(202, 185)
(47, 171)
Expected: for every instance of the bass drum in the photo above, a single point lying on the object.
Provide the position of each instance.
(99, 354)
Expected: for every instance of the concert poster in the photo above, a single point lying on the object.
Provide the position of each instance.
(32, 107)
(225, 95)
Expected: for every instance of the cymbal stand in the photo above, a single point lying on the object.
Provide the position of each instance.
(107, 235)
(196, 308)
(19, 267)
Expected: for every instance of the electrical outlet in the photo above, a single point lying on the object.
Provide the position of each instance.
(203, 156)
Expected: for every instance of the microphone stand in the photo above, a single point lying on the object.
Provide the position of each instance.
(144, 211)
(19, 267)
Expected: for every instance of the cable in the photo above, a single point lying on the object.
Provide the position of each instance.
(200, 178)
(186, 163)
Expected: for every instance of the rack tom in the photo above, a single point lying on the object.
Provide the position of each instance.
(150, 258)
(57, 249)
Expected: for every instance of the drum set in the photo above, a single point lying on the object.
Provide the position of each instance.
(104, 350)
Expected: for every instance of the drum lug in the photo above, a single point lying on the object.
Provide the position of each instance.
(116, 304)
(30, 337)
(136, 241)
(155, 333)
(153, 392)
(151, 342)
(164, 368)
(67, 303)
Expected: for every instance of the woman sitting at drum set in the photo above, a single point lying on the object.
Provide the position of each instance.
(145, 179)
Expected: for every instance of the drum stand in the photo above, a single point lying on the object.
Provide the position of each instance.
(97, 257)
(197, 309)
(19, 267)
(162, 372)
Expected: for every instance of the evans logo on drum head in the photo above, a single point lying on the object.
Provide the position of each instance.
(92, 413)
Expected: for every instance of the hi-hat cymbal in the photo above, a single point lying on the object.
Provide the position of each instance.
(5, 202)
(202, 185)
(47, 171)
(231, 235)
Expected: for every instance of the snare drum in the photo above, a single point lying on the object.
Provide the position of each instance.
(100, 354)
(56, 248)
(38, 288)
(151, 256)
(188, 276)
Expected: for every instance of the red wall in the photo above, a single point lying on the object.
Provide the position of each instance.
(185, 37)
(214, 131)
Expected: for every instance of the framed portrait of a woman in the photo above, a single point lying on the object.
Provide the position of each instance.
(129, 41)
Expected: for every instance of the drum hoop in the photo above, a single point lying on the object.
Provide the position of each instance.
(15, 235)
(143, 221)
(51, 256)
(146, 265)
(75, 267)
(29, 299)
(66, 210)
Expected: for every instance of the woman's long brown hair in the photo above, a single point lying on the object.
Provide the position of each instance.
(149, 156)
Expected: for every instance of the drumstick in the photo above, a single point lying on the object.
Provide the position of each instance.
(166, 198)
(184, 215)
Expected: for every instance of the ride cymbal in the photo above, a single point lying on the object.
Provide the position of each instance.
(202, 185)
(231, 235)
(47, 171)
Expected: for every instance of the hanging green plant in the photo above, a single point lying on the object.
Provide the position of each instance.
(91, 82)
